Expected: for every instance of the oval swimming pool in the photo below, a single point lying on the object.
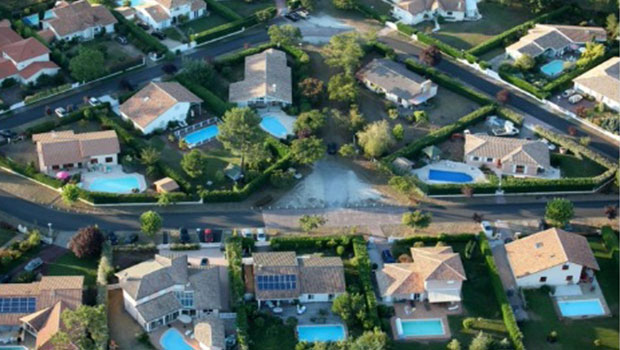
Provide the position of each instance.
(273, 126)
(449, 176)
(553, 68)
(174, 340)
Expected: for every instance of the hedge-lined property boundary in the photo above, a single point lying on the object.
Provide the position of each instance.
(364, 266)
(218, 8)
(145, 42)
(231, 27)
(211, 100)
(234, 254)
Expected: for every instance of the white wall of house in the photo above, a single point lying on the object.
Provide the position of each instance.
(178, 113)
(507, 168)
(144, 17)
(408, 18)
(615, 105)
(86, 34)
(555, 276)
(400, 297)
(106, 159)
(448, 287)
(452, 16)
(266, 100)
(34, 77)
(23, 64)
(427, 88)
(316, 298)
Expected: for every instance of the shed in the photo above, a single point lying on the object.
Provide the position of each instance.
(432, 152)
(403, 164)
(166, 185)
(233, 171)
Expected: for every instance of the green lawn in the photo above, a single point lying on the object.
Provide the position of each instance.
(246, 9)
(381, 7)
(29, 255)
(496, 19)
(70, 265)
(571, 166)
(6, 235)
(203, 23)
(173, 34)
(574, 334)
(272, 334)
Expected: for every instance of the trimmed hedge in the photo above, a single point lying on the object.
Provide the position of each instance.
(46, 93)
(223, 10)
(143, 40)
(371, 13)
(234, 253)
(522, 84)
(229, 27)
(516, 336)
(305, 243)
(364, 267)
(211, 100)
(58, 122)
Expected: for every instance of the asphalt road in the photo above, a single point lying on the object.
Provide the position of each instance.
(136, 78)
(454, 70)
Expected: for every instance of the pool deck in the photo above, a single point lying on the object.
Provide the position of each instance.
(423, 311)
(448, 165)
(182, 328)
(116, 171)
(585, 291)
(286, 120)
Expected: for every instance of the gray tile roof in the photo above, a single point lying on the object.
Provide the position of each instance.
(266, 75)
(603, 79)
(151, 276)
(508, 150)
(205, 283)
(159, 307)
(393, 77)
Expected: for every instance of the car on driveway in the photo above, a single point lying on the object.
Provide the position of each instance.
(93, 101)
(131, 238)
(113, 238)
(184, 235)
(9, 134)
(159, 35)
(486, 228)
(387, 257)
(332, 148)
(33, 264)
(122, 40)
(60, 112)
(143, 26)
(247, 233)
(260, 235)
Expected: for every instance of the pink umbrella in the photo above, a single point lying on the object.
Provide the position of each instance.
(62, 175)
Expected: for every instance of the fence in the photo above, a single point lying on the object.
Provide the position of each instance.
(198, 126)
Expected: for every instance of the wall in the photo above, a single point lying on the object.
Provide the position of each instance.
(555, 276)
(608, 102)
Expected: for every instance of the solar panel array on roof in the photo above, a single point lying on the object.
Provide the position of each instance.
(277, 282)
(17, 305)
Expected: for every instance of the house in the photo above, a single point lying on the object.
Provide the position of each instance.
(23, 60)
(552, 257)
(508, 156)
(156, 292)
(44, 324)
(79, 20)
(161, 14)
(158, 104)
(22, 301)
(267, 81)
(415, 11)
(209, 332)
(283, 276)
(601, 82)
(166, 185)
(58, 150)
(399, 84)
(554, 40)
(436, 274)
(402, 165)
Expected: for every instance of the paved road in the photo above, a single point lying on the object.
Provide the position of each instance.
(138, 77)
(455, 70)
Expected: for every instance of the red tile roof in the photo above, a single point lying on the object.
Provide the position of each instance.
(35, 67)
(25, 49)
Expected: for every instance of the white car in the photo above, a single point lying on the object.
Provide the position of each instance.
(93, 101)
(247, 233)
(33, 264)
(486, 228)
(60, 112)
(568, 93)
(260, 235)
(575, 99)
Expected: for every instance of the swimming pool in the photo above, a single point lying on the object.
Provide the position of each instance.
(578, 308)
(133, 2)
(13, 347)
(173, 340)
(201, 135)
(323, 333)
(273, 126)
(123, 184)
(431, 327)
(449, 176)
(553, 68)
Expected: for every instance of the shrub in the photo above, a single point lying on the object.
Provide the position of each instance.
(143, 40)
(223, 10)
(230, 27)
(211, 100)
(364, 267)
(87, 242)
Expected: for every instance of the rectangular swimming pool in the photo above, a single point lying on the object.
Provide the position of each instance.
(579, 308)
(13, 347)
(124, 184)
(449, 176)
(431, 327)
(201, 135)
(322, 333)
(553, 68)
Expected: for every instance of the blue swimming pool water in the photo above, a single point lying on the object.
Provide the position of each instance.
(273, 126)
(422, 328)
(323, 333)
(13, 347)
(449, 176)
(201, 135)
(576, 308)
(114, 185)
(553, 68)
(133, 2)
(173, 340)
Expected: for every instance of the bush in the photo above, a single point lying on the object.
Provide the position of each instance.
(371, 13)
(229, 27)
(46, 93)
(87, 242)
(143, 40)
(223, 10)
(185, 246)
(364, 267)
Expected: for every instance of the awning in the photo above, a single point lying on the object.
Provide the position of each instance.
(444, 296)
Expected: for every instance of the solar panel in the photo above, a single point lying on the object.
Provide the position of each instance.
(17, 305)
(277, 282)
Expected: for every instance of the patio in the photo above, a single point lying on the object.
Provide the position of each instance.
(316, 313)
(582, 291)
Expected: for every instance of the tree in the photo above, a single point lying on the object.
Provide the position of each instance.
(342, 87)
(149, 156)
(582, 111)
(150, 223)
(344, 4)
(525, 62)
(89, 64)
(282, 179)
(481, 342)
(350, 306)
(263, 15)
(311, 88)
(585, 141)
(344, 51)
(416, 219)
(356, 119)
(87, 242)
(194, 163)
(431, 55)
(502, 96)
(421, 117)
(308, 123)
(370, 340)
(311, 222)
(393, 113)
(284, 35)
(559, 212)
(85, 327)
(611, 24)
(70, 193)
(593, 51)
(308, 4)
(164, 199)
(454, 344)
(347, 150)
(308, 150)
(198, 71)
(239, 132)
(376, 138)
(398, 132)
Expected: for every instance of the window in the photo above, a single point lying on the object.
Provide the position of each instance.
(94, 161)
(569, 278)
(489, 160)
(310, 296)
(109, 159)
(55, 167)
(277, 282)
(543, 279)
(564, 267)
(520, 169)
(475, 158)
(185, 298)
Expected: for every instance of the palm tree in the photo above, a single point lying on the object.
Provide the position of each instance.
(149, 156)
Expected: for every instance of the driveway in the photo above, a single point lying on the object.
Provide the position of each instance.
(508, 281)
(48, 254)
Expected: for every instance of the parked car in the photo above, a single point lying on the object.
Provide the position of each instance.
(60, 112)
(260, 235)
(184, 235)
(575, 99)
(247, 233)
(33, 264)
(199, 235)
(112, 238)
(387, 256)
(568, 93)
(332, 148)
(143, 26)
(7, 133)
(208, 235)
(4, 278)
(204, 262)
(131, 238)
(293, 16)
(122, 40)
(159, 35)
(93, 101)
(166, 238)
(486, 228)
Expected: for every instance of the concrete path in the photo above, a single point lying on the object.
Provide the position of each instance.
(508, 281)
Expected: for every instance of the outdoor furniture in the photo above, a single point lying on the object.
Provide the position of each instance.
(301, 309)
(453, 307)
(277, 310)
(269, 304)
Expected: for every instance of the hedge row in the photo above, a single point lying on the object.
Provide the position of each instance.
(364, 267)
(211, 100)
(223, 10)
(371, 13)
(58, 122)
(234, 253)
(229, 27)
(143, 40)
(522, 84)
(610, 238)
(305, 243)
(448, 82)
(513, 34)
(507, 314)
(443, 47)
(46, 93)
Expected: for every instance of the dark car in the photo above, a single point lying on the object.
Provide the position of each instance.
(4, 278)
(159, 35)
(9, 134)
(113, 238)
(184, 235)
(293, 17)
(387, 256)
(204, 262)
(166, 237)
(143, 25)
(131, 238)
(332, 148)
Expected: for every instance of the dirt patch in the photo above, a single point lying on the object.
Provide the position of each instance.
(123, 260)
(123, 329)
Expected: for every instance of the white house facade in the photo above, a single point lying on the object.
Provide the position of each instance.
(415, 11)
(79, 20)
(161, 14)
(601, 82)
